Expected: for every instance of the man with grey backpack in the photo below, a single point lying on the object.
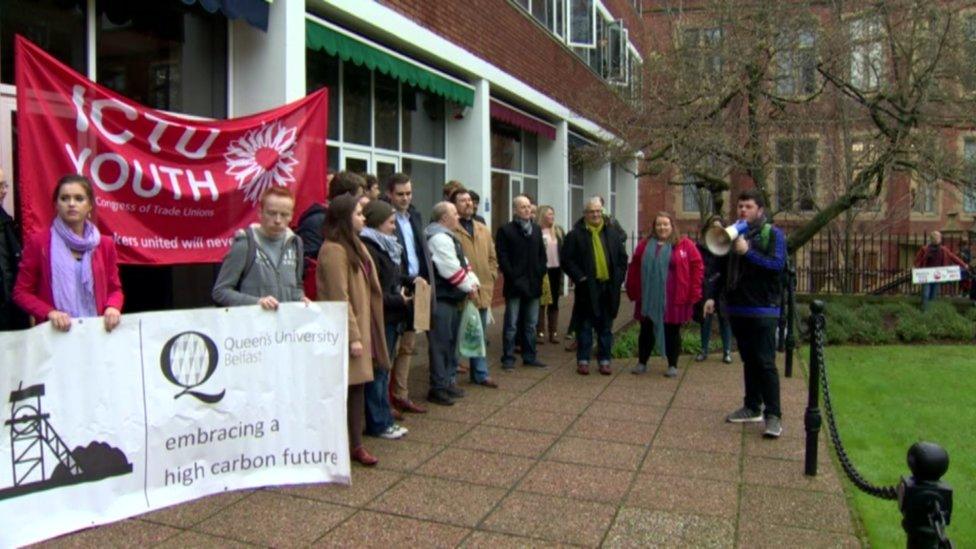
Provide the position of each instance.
(264, 264)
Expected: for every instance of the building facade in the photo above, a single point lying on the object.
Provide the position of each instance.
(497, 95)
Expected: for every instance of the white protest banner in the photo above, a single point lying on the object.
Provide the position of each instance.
(936, 275)
(169, 407)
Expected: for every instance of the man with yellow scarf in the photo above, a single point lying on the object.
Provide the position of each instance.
(594, 258)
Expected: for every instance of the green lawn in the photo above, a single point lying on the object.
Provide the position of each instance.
(888, 397)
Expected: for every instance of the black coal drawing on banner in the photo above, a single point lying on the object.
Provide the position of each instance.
(40, 458)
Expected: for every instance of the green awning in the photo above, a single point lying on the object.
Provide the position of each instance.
(318, 37)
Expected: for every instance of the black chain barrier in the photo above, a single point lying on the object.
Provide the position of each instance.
(925, 501)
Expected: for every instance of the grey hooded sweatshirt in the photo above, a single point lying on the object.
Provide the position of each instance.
(275, 271)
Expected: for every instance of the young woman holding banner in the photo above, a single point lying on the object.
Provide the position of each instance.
(346, 272)
(70, 270)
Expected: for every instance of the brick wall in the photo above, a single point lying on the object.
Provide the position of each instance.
(509, 38)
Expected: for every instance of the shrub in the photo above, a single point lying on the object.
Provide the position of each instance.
(910, 326)
(945, 322)
(971, 314)
(869, 327)
(840, 323)
(625, 342)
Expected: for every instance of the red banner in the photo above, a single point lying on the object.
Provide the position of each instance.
(168, 188)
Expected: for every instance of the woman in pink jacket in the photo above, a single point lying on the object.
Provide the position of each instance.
(70, 270)
(664, 280)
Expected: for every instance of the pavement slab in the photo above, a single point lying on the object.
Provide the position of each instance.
(550, 459)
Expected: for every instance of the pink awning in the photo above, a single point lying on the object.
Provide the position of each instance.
(522, 121)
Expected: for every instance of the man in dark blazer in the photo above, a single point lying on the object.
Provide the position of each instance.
(11, 317)
(522, 261)
(416, 260)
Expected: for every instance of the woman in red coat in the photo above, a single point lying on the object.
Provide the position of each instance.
(664, 280)
(70, 270)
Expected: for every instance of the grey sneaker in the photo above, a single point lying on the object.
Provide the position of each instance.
(639, 369)
(700, 357)
(392, 432)
(774, 427)
(744, 415)
(671, 372)
(727, 358)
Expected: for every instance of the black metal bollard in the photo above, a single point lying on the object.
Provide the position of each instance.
(811, 419)
(924, 500)
(790, 318)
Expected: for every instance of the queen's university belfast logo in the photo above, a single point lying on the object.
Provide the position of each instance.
(188, 360)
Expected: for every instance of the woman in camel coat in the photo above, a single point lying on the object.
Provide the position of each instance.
(346, 273)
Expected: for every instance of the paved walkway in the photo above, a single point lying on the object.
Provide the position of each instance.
(550, 458)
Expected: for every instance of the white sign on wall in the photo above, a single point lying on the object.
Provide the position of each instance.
(169, 407)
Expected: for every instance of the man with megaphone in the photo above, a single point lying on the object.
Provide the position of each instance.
(750, 285)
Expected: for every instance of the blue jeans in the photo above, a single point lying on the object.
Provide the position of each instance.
(529, 321)
(929, 293)
(379, 416)
(724, 329)
(479, 365)
(603, 325)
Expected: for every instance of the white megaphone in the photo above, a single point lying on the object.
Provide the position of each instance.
(719, 241)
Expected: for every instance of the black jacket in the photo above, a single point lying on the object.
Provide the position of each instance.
(391, 278)
(521, 259)
(577, 262)
(11, 316)
(752, 284)
(310, 229)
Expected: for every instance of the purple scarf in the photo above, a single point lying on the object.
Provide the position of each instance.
(72, 282)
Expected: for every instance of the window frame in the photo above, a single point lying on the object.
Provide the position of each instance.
(795, 167)
(968, 194)
(857, 43)
(796, 68)
(570, 38)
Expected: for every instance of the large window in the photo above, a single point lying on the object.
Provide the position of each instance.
(695, 199)
(861, 156)
(514, 169)
(968, 75)
(57, 26)
(796, 174)
(378, 124)
(969, 192)
(867, 53)
(582, 23)
(577, 179)
(164, 54)
(796, 62)
(925, 197)
(701, 51)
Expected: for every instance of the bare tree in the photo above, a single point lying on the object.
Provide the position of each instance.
(818, 104)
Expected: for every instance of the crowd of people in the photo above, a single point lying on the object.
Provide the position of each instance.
(368, 245)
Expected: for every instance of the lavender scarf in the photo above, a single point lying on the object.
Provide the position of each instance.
(72, 281)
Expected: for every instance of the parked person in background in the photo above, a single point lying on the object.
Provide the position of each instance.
(264, 263)
(935, 254)
(70, 270)
(379, 238)
(664, 282)
(346, 272)
(476, 198)
(11, 317)
(372, 188)
(416, 261)
(752, 288)
(552, 239)
(454, 283)
(713, 265)
(479, 250)
(594, 258)
(522, 260)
